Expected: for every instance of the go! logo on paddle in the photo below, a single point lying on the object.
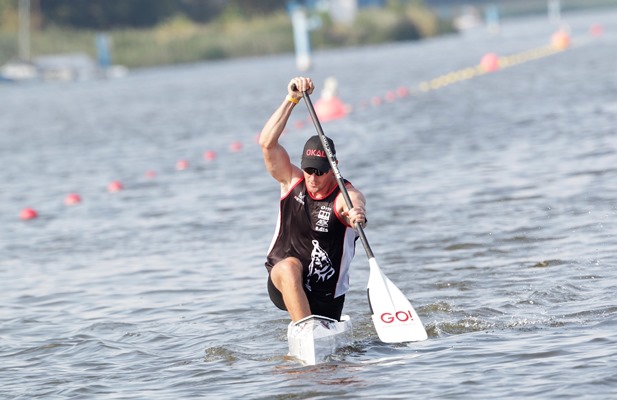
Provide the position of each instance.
(398, 316)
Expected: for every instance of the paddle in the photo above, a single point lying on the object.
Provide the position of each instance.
(394, 317)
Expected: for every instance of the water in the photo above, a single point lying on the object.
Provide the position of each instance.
(491, 205)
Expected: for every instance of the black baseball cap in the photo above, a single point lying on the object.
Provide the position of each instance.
(314, 155)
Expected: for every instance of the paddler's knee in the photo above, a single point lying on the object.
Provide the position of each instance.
(289, 269)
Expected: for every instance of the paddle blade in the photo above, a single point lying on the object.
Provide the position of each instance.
(394, 318)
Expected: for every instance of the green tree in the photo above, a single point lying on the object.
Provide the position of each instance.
(105, 14)
(110, 14)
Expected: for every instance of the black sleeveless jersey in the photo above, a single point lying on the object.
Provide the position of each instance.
(312, 231)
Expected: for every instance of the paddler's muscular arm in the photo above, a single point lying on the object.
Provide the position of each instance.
(276, 157)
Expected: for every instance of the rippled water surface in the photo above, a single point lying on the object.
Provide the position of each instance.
(492, 205)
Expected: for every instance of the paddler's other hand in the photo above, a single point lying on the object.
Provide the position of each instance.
(356, 214)
(297, 86)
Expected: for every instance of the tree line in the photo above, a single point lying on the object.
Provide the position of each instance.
(118, 14)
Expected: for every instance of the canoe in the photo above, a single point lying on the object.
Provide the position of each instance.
(315, 338)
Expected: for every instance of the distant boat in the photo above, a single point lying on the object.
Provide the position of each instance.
(18, 70)
(66, 67)
(58, 67)
(468, 19)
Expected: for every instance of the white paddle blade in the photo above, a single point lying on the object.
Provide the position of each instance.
(394, 318)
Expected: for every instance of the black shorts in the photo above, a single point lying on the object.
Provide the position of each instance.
(326, 306)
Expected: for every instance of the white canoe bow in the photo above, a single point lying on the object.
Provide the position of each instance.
(315, 338)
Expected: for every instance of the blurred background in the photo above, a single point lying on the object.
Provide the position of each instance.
(75, 40)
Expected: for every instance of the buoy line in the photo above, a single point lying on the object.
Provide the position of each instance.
(333, 108)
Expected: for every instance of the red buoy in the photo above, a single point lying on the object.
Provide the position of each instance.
(490, 62)
(115, 186)
(236, 146)
(596, 30)
(28, 213)
(72, 199)
(210, 155)
(328, 109)
(560, 40)
(390, 96)
(181, 165)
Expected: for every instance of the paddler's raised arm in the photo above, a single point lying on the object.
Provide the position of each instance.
(276, 157)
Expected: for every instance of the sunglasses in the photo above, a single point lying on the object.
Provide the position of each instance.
(315, 171)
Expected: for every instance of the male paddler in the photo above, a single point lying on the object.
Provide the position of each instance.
(314, 240)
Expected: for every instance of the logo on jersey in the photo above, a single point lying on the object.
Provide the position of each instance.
(300, 198)
(323, 216)
(321, 266)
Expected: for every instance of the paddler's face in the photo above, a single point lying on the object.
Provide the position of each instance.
(316, 180)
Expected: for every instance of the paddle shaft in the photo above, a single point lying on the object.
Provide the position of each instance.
(337, 172)
(391, 302)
